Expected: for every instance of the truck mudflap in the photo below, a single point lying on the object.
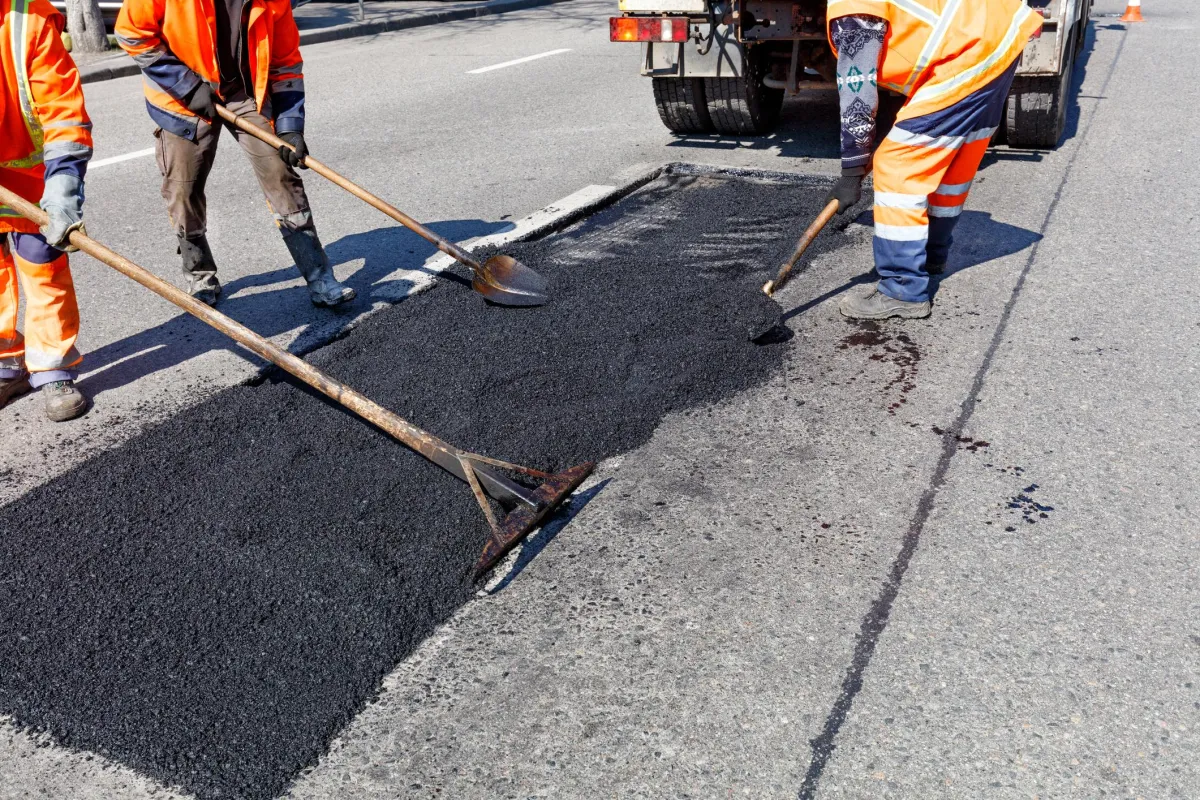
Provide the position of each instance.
(718, 57)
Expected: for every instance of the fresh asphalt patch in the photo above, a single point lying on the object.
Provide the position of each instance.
(212, 601)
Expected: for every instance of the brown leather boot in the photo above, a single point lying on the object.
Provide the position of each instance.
(64, 401)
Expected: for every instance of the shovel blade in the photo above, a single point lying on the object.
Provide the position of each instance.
(521, 521)
(505, 281)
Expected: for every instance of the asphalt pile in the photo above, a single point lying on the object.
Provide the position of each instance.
(211, 602)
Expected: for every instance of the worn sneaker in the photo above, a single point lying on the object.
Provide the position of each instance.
(871, 303)
(205, 288)
(63, 401)
(12, 388)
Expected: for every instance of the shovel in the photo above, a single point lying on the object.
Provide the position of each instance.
(527, 506)
(501, 279)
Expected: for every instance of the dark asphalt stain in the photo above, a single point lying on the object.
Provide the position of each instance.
(212, 601)
(964, 442)
(889, 345)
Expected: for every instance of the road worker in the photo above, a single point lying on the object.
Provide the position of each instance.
(244, 54)
(45, 144)
(954, 61)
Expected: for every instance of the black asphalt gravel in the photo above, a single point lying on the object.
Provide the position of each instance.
(212, 601)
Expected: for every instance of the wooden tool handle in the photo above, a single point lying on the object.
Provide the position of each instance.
(446, 456)
(353, 188)
(785, 272)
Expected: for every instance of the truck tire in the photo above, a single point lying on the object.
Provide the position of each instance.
(743, 106)
(681, 105)
(1036, 109)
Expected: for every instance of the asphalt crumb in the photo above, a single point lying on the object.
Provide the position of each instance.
(212, 601)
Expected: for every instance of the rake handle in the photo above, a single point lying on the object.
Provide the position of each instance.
(810, 233)
(353, 188)
(439, 452)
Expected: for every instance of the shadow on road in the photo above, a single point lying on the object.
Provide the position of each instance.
(271, 312)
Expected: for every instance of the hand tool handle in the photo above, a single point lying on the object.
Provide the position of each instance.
(353, 188)
(444, 455)
(785, 272)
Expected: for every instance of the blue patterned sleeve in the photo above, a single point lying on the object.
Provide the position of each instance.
(859, 41)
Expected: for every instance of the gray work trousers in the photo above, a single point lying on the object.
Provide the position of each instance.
(185, 166)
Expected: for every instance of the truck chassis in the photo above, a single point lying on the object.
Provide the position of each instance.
(741, 58)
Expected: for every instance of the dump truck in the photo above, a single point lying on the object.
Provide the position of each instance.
(725, 66)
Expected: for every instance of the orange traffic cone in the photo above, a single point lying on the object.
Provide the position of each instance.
(1133, 11)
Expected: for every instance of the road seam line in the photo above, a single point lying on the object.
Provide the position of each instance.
(875, 621)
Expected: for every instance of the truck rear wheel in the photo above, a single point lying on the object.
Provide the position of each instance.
(743, 106)
(1036, 109)
(681, 105)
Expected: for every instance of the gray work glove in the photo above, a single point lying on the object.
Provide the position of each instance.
(847, 191)
(294, 158)
(62, 200)
(200, 101)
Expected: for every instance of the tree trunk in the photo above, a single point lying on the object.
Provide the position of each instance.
(86, 26)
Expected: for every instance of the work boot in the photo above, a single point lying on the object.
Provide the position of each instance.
(323, 288)
(63, 401)
(870, 303)
(12, 388)
(201, 269)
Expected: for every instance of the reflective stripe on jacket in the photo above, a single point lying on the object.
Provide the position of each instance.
(174, 43)
(44, 127)
(939, 51)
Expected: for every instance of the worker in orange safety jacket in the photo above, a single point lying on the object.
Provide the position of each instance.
(954, 61)
(246, 55)
(45, 145)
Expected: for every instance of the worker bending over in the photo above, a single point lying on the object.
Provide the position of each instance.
(45, 144)
(246, 55)
(954, 61)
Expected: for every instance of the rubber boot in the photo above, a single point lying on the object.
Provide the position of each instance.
(63, 401)
(201, 269)
(323, 289)
(12, 388)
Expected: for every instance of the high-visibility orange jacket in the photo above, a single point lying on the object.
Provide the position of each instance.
(939, 51)
(44, 127)
(174, 43)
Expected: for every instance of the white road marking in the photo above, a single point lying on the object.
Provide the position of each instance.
(104, 162)
(519, 61)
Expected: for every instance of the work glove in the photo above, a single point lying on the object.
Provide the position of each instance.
(62, 200)
(294, 158)
(847, 191)
(200, 101)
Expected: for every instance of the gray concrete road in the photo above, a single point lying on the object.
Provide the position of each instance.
(817, 589)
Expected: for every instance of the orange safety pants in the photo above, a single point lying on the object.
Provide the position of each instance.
(47, 348)
(923, 173)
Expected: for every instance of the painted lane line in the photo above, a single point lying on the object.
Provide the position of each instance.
(104, 162)
(519, 61)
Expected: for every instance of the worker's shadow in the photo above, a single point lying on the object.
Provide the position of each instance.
(272, 311)
(978, 239)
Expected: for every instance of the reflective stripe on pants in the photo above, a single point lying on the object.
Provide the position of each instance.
(923, 174)
(51, 313)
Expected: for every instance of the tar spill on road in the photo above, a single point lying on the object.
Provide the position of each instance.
(1029, 509)
(964, 442)
(211, 602)
(889, 347)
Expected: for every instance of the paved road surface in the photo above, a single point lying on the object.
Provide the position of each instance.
(815, 589)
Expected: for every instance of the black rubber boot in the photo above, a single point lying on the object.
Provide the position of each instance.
(201, 269)
(323, 288)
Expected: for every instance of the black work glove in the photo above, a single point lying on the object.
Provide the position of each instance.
(200, 102)
(847, 191)
(294, 158)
